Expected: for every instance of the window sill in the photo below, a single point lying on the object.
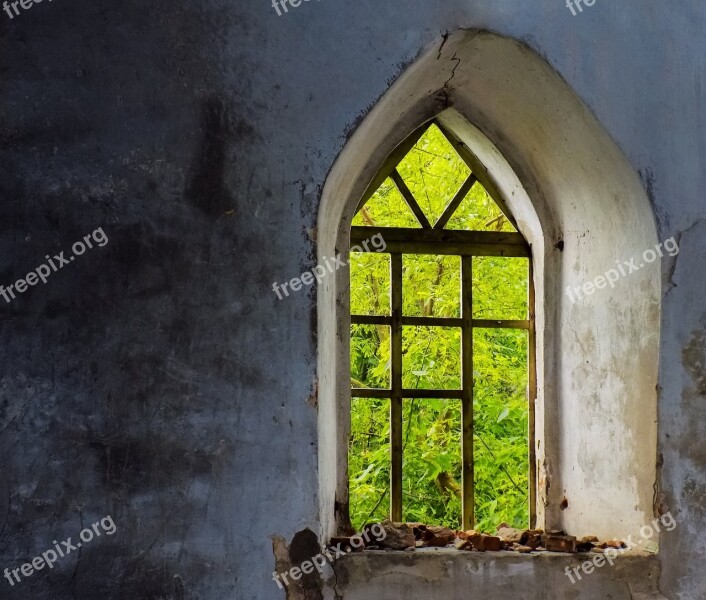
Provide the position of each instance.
(450, 574)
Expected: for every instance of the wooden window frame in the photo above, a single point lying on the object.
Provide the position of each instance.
(466, 244)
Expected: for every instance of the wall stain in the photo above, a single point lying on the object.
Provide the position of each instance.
(694, 359)
(138, 464)
(648, 182)
(208, 190)
(313, 399)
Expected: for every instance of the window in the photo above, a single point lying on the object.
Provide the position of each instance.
(578, 201)
(442, 345)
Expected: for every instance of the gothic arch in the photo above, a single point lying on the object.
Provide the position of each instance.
(581, 206)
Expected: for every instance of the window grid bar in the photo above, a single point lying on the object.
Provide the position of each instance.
(407, 393)
(443, 241)
(468, 466)
(396, 388)
(477, 167)
(391, 163)
(532, 399)
(441, 322)
(410, 199)
(397, 392)
(456, 202)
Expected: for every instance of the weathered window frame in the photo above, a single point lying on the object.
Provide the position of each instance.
(435, 240)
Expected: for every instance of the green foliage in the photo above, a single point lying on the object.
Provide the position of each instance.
(434, 172)
(432, 360)
(501, 427)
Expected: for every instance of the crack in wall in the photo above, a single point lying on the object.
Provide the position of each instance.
(444, 38)
(453, 71)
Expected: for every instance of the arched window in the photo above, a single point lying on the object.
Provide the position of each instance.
(581, 207)
(442, 336)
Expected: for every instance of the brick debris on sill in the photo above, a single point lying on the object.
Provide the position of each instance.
(409, 536)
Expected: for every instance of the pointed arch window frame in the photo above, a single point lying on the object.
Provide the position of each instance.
(435, 240)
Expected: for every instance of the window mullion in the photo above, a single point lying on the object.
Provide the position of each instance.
(531, 399)
(396, 387)
(455, 202)
(410, 199)
(467, 399)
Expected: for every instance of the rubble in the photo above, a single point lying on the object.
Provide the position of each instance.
(411, 536)
(438, 537)
(399, 536)
(513, 536)
(461, 544)
(559, 543)
(616, 544)
(343, 542)
(482, 542)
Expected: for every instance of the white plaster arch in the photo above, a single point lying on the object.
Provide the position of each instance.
(565, 181)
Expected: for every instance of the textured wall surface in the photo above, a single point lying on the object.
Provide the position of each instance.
(158, 379)
(441, 573)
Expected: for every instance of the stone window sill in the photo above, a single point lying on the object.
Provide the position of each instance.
(452, 574)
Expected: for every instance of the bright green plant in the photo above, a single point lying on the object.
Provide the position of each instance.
(431, 359)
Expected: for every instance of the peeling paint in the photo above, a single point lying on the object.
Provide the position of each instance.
(303, 547)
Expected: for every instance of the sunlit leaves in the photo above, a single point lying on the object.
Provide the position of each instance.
(434, 172)
(432, 360)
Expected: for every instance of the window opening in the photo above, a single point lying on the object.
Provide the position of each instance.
(442, 345)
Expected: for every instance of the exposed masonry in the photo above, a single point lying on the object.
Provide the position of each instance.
(303, 547)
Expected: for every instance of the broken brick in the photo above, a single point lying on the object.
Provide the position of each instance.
(419, 530)
(439, 536)
(511, 535)
(467, 535)
(534, 538)
(616, 544)
(559, 543)
(461, 544)
(483, 542)
(398, 536)
(493, 543)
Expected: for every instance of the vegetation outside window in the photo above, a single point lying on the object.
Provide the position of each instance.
(442, 346)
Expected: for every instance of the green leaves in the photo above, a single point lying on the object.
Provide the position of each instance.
(432, 470)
